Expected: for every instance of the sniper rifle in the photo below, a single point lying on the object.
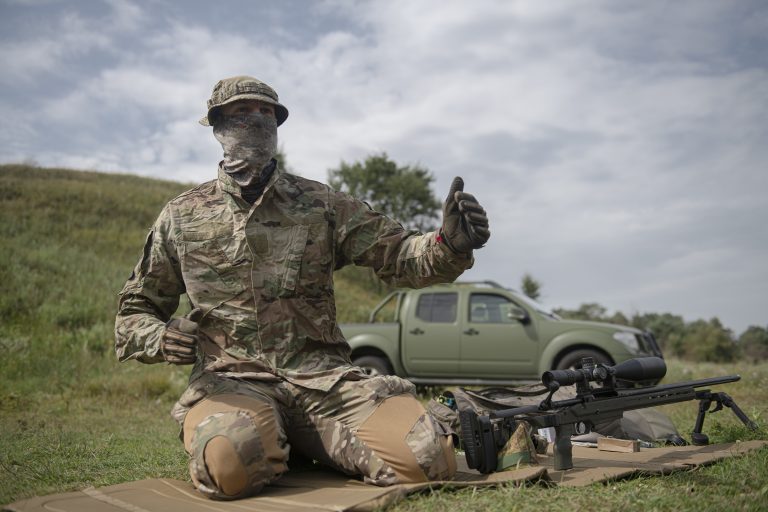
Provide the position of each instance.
(483, 435)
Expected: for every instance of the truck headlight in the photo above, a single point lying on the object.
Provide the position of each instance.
(627, 339)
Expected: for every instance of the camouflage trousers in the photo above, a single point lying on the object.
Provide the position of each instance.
(241, 435)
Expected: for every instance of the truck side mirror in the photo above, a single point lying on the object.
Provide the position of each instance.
(518, 314)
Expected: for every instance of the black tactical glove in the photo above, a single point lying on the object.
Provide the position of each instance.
(179, 343)
(465, 225)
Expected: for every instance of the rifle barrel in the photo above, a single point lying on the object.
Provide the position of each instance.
(652, 391)
(711, 381)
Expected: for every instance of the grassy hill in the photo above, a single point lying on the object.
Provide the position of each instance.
(68, 241)
(72, 417)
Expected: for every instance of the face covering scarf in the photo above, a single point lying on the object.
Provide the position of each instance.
(249, 142)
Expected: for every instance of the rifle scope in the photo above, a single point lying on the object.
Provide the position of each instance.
(638, 369)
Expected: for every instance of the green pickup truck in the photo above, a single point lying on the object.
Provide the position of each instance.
(481, 334)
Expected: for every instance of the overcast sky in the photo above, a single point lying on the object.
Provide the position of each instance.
(619, 147)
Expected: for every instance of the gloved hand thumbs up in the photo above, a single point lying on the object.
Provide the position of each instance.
(465, 223)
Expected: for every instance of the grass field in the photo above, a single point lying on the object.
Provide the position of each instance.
(116, 428)
(71, 416)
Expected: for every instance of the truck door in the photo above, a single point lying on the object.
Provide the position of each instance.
(431, 335)
(494, 343)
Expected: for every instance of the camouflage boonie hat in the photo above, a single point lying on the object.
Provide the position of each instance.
(243, 88)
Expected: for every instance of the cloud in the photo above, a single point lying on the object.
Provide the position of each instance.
(619, 149)
(58, 41)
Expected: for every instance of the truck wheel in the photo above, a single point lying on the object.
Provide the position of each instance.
(374, 365)
(573, 359)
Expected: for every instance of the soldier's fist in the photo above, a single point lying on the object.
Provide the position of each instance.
(179, 343)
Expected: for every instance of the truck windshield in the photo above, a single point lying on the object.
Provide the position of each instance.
(386, 310)
(539, 307)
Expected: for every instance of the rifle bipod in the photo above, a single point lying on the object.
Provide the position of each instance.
(705, 398)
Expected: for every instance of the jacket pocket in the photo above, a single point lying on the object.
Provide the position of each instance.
(208, 271)
(278, 254)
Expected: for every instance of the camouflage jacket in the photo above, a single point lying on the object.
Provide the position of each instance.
(263, 276)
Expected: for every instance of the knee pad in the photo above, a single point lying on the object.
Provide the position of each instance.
(228, 459)
(407, 438)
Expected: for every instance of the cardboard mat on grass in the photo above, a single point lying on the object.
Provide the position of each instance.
(317, 490)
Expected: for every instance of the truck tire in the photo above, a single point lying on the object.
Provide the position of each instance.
(573, 359)
(374, 365)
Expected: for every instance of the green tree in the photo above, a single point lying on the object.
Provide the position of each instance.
(530, 286)
(587, 311)
(402, 193)
(754, 343)
(706, 341)
(666, 327)
(618, 318)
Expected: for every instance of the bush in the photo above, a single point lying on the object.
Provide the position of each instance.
(754, 343)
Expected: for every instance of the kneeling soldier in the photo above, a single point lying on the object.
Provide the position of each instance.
(255, 251)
